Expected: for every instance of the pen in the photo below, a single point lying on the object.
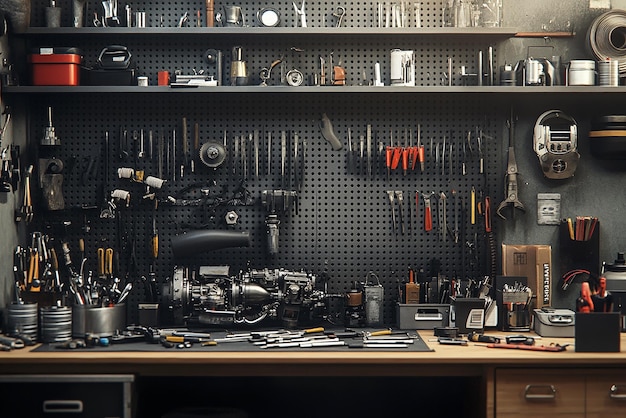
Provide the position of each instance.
(570, 226)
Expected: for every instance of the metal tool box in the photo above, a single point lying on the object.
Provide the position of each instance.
(91, 396)
(555, 323)
(56, 66)
(422, 316)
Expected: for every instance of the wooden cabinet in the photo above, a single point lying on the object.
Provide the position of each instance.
(560, 393)
(606, 394)
(539, 393)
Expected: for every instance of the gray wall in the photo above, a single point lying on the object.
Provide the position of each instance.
(595, 189)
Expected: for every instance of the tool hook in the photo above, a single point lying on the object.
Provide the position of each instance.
(339, 14)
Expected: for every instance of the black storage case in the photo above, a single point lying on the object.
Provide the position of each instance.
(92, 396)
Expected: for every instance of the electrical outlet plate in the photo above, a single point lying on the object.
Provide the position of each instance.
(599, 4)
(548, 208)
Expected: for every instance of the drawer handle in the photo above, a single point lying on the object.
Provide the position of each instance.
(615, 393)
(546, 392)
(63, 407)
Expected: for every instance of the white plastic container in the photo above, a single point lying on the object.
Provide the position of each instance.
(581, 73)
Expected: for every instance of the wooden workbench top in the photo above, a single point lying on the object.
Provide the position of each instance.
(444, 359)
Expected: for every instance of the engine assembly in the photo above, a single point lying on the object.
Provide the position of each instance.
(211, 297)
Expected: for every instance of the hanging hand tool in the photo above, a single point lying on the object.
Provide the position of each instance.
(55, 268)
(26, 212)
(173, 161)
(369, 151)
(456, 206)
(300, 12)
(417, 207)
(326, 127)
(392, 202)
(481, 157)
(283, 158)
(196, 146)
(256, 151)
(154, 247)
(269, 154)
(442, 217)
(511, 190)
(428, 216)
(400, 198)
(443, 157)
(473, 205)
(339, 14)
(186, 155)
(33, 285)
(295, 168)
(350, 152)
(405, 155)
(123, 144)
(7, 111)
(420, 150)
(410, 212)
(397, 153)
(389, 156)
(361, 154)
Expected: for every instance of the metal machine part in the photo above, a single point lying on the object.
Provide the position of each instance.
(210, 296)
(213, 58)
(49, 134)
(555, 141)
(212, 154)
(268, 17)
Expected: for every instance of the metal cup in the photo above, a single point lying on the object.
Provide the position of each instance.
(233, 16)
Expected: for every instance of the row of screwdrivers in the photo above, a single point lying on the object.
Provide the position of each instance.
(436, 204)
(362, 157)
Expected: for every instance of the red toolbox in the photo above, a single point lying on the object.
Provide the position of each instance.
(56, 66)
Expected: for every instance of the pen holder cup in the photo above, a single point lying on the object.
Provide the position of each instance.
(101, 321)
(516, 317)
(578, 254)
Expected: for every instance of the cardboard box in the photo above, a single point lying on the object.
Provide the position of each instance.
(533, 262)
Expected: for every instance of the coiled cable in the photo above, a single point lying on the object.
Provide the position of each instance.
(606, 37)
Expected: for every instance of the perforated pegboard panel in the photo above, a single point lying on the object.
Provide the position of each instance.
(343, 224)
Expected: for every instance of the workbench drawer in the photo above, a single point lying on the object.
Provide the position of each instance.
(539, 393)
(86, 396)
(606, 394)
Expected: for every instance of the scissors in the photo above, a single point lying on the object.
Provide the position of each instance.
(339, 14)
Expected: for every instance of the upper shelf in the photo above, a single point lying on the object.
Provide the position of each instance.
(453, 90)
(229, 31)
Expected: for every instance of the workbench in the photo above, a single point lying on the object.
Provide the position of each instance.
(473, 380)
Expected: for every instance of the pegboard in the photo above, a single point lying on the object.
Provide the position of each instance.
(343, 224)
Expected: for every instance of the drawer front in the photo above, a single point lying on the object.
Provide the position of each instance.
(92, 396)
(539, 393)
(606, 394)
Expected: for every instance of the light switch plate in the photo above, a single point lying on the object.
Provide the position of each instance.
(599, 4)
(548, 208)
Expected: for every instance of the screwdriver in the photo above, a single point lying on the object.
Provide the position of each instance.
(397, 154)
(420, 154)
(155, 234)
(388, 156)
